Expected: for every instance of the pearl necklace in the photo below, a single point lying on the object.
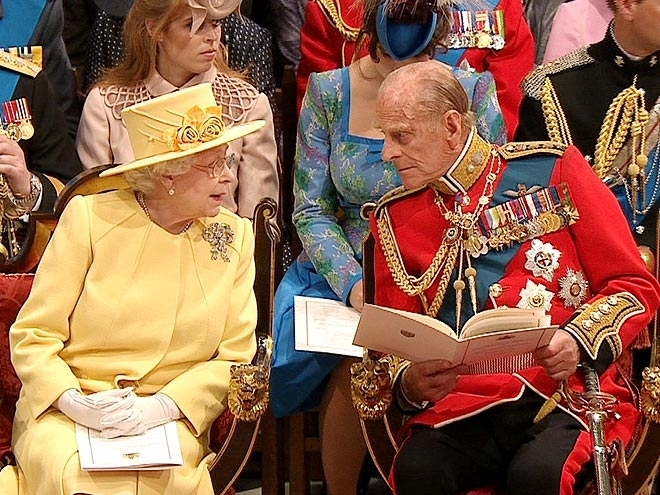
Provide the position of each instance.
(139, 196)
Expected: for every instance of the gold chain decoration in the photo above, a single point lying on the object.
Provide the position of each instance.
(415, 286)
(348, 33)
(555, 120)
(458, 235)
(412, 286)
(434, 309)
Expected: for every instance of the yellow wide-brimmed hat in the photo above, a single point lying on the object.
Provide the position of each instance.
(175, 125)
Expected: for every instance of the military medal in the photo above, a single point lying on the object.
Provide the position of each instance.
(17, 119)
(25, 118)
(219, 236)
(541, 212)
(542, 259)
(480, 29)
(498, 37)
(33, 54)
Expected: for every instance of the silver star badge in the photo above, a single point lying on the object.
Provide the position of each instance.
(573, 288)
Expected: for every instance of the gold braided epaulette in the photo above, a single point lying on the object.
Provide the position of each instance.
(18, 64)
(394, 194)
(513, 150)
(602, 319)
(332, 9)
(532, 85)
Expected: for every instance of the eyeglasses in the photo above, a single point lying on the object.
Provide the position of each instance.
(215, 169)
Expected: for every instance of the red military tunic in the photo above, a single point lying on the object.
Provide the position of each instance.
(328, 41)
(590, 278)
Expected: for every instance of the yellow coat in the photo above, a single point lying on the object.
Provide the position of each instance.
(119, 301)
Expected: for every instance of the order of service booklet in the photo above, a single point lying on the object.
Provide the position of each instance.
(157, 448)
(325, 325)
(492, 334)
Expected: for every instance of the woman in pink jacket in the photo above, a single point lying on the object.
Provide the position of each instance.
(174, 44)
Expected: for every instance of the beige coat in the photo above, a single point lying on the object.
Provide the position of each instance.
(103, 139)
(117, 300)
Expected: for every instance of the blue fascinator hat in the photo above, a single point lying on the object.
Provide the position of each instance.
(405, 27)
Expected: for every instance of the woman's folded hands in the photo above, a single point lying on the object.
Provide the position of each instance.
(117, 412)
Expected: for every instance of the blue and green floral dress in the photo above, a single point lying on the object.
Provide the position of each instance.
(336, 173)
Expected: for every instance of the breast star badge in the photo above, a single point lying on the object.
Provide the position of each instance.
(542, 259)
(535, 296)
(573, 288)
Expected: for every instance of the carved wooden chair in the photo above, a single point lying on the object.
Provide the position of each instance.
(381, 421)
(234, 433)
(304, 445)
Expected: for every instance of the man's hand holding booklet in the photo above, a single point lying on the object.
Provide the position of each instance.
(500, 334)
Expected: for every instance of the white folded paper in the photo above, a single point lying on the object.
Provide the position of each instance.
(325, 325)
(157, 448)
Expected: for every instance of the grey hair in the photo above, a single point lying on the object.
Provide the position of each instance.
(436, 91)
(146, 179)
(436, 97)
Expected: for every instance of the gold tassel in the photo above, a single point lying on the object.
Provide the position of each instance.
(459, 286)
(471, 274)
(549, 405)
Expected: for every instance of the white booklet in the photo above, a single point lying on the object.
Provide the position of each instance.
(325, 325)
(493, 334)
(157, 448)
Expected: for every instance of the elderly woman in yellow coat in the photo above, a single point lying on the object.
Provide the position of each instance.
(141, 304)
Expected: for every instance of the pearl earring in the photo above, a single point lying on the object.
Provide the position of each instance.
(171, 191)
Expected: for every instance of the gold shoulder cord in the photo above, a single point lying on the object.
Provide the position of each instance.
(626, 113)
(415, 286)
(330, 7)
(555, 120)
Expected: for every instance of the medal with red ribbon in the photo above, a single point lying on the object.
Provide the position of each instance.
(17, 119)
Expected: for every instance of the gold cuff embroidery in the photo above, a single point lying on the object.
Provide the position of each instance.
(602, 319)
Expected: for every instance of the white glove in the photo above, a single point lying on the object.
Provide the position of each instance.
(146, 413)
(88, 410)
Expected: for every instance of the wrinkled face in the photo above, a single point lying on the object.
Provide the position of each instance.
(418, 148)
(197, 193)
(182, 55)
(645, 15)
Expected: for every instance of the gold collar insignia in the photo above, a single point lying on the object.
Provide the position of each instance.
(467, 168)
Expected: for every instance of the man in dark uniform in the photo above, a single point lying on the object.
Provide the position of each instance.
(477, 226)
(49, 153)
(603, 99)
(30, 23)
(38, 159)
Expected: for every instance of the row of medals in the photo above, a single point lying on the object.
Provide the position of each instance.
(18, 130)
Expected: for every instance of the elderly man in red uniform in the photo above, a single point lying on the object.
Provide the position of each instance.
(497, 40)
(477, 226)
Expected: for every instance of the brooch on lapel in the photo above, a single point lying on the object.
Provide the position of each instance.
(219, 236)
